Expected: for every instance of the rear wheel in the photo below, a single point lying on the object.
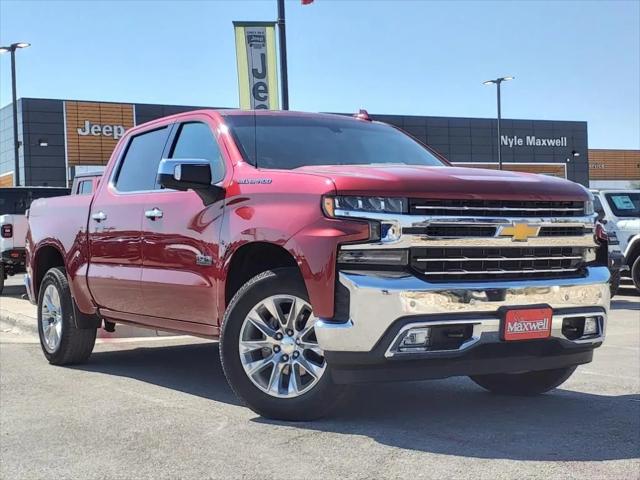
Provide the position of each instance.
(635, 272)
(529, 383)
(1, 277)
(62, 342)
(269, 351)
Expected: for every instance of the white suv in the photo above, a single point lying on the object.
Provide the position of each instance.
(619, 211)
(13, 225)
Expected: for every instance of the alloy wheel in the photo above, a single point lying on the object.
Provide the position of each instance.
(278, 347)
(51, 319)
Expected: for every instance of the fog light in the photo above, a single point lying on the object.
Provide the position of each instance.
(590, 326)
(415, 338)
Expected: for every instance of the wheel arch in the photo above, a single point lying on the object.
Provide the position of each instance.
(251, 259)
(633, 249)
(45, 257)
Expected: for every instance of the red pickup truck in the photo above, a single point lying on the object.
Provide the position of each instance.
(322, 250)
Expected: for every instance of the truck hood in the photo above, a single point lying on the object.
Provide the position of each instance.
(447, 182)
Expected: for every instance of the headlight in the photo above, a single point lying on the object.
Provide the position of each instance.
(349, 206)
(588, 207)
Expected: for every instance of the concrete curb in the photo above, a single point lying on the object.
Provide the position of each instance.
(17, 323)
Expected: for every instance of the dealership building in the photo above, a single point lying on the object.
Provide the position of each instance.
(60, 138)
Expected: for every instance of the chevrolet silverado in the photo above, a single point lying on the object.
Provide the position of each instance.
(322, 250)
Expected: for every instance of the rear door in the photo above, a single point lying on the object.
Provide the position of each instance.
(115, 222)
(181, 235)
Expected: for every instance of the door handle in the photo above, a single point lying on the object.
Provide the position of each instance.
(99, 216)
(153, 214)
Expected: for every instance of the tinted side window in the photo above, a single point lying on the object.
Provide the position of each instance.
(195, 140)
(85, 187)
(140, 164)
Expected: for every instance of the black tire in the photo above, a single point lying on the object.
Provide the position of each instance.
(614, 282)
(529, 383)
(635, 272)
(310, 405)
(1, 277)
(75, 345)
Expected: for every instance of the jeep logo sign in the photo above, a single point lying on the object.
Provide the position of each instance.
(256, 57)
(92, 130)
(115, 131)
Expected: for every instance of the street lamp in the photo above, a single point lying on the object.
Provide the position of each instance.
(16, 144)
(497, 82)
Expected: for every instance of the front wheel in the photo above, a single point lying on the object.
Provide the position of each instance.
(62, 342)
(529, 383)
(614, 282)
(270, 353)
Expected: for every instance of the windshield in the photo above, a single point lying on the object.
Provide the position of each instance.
(624, 204)
(15, 201)
(289, 141)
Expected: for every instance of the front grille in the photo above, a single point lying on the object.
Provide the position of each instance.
(470, 230)
(477, 263)
(495, 208)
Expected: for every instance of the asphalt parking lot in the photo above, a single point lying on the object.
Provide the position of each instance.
(161, 408)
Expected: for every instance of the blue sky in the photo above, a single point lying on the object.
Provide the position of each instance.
(574, 60)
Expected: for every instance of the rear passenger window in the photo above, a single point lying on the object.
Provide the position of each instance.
(195, 140)
(140, 164)
(85, 187)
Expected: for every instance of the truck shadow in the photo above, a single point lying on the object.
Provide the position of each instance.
(452, 417)
(455, 417)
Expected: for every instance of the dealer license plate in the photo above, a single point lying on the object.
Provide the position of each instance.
(527, 323)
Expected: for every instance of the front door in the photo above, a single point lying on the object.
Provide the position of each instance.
(115, 223)
(181, 237)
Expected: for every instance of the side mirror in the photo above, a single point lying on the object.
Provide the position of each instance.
(189, 174)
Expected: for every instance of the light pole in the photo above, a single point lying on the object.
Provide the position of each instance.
(16, 143)
(497, 82)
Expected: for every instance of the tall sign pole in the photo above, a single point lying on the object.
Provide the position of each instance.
(282, 37)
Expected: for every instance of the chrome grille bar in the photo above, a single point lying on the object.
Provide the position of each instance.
(501, 272)
(505, 209)
(494, 259)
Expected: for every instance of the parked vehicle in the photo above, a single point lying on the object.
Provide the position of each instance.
(608, 253)
(322, 250)
(13, 225)
(619, 212)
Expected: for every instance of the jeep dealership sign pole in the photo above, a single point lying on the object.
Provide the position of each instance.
(282, 38)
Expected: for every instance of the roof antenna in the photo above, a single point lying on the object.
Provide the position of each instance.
(363, 115)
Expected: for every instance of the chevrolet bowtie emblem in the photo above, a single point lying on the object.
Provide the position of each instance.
(519, 232)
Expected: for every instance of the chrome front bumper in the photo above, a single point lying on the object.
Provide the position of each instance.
(378, 299)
